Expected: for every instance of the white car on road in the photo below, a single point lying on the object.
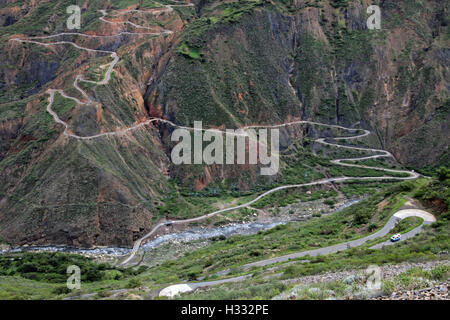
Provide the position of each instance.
(396, 237)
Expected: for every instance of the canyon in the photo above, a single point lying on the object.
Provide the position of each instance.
(227, 64)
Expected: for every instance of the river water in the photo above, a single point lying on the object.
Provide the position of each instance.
(190, 235)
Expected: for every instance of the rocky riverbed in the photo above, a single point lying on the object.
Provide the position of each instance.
(194, 237)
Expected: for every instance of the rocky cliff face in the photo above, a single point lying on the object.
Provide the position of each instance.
(227, 64)
(267, 62)
(67, 191)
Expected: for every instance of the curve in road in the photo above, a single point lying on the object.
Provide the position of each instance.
(428, 218)
(411, 175)
(110, 66)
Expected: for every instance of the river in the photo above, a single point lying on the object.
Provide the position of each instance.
(190, 235)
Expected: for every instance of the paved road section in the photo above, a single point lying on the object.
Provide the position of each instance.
(176, 289)
(381, 153)
(150, 31)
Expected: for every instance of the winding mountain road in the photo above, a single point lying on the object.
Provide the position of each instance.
(411, 175)
(110, 67)
(428, 218)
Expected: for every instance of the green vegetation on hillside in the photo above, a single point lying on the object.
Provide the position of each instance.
(50, 267)
(350, 223)
(355, 221)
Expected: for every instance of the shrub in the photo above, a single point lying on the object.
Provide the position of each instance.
(388, 286)
(361, 218)
(113, 275)
(255, 253)
(440, 273)
(92, 275)
(27, 267)
(134, 283)
(103, 293)
(443, 173)
(50, 267)
(61, 290)
(290, 271)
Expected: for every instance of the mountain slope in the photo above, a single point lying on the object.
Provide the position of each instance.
(225, 63)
